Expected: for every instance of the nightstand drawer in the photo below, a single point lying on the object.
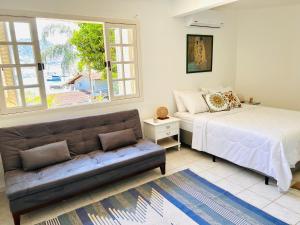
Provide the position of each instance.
(166, 133)
(162, 132)
(167, 127)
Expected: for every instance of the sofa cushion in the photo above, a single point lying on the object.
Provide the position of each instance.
(20, 183)
(45, 155)
(81, 135)
(117, 139)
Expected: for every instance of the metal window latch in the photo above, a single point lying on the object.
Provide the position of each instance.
(41, 66)
(108, 64)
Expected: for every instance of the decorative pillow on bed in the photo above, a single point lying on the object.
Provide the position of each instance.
(216, 102)
(194, 102)
(232, 99)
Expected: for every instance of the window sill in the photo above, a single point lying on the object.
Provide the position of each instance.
(67, 109)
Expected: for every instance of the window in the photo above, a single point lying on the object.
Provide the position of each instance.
(50, 63)
(120, 40)
(21, 82)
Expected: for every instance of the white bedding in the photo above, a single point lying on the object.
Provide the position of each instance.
(186, 123)
(260, 138)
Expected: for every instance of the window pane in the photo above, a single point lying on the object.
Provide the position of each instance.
(4, 31)
(115, 54)
(74, 72)
(32, 96)
(127, 36)
(117, 71)
(29, 75)
(26, 54)
(130, 87)
(118, 88)
(13, 98)
(129, 70)
(114, 35)
(9, 77)
(7, 54)
(128, 53)
(22, 31)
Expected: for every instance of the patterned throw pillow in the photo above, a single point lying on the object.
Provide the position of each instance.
(216, 102)
(232, 100)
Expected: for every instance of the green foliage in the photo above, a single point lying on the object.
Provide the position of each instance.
(33, 100)
(99, 98)
(89, 42)
(68, 56)
(86, 43)
(51, 100)
(64, 50)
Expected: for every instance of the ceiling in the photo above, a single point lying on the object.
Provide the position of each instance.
(254, 4)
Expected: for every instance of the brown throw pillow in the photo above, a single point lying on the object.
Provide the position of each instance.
(117, 139)
(45, 155)
(232, 99)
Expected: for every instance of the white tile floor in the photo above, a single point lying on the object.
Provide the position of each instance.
(247, 185)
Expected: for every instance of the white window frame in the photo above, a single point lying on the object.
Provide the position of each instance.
(113, 100)
(108, 45)
(37, 59)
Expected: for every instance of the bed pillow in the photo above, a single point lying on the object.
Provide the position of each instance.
(45, 155)
(178, 100)
(232, 99)
(179, 103)
(117, 139)
(216, 102)
(215, 90)
(194, 102)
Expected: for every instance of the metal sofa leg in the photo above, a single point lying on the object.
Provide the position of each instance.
(214, 158)
(163, 169)
(266, 180)
(17, 219)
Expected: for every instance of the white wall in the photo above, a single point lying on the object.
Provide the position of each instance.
(181, 8)
(163, 48)
(268, 53)
(163, 42)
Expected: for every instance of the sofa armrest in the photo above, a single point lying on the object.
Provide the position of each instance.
(2, 181)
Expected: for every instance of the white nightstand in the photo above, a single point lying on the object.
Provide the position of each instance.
(162, 132)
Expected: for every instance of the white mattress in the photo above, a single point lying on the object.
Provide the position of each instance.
(260, 138)
(187, 119)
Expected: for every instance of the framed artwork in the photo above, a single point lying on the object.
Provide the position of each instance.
(199, 55)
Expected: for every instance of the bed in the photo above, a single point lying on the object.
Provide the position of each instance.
(260, 138)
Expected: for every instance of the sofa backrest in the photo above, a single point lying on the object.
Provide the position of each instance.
(81, 135)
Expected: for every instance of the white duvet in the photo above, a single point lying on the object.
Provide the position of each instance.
(260, 138)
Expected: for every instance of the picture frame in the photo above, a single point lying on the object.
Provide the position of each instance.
(199, 53)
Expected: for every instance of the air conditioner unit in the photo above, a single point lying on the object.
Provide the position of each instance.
(206, 19)
(196, 23)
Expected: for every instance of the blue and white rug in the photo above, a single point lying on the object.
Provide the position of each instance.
(183, 198)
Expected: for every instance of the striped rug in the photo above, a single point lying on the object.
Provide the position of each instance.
(183, 198)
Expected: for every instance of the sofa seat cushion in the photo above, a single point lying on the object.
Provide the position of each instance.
(20, 183)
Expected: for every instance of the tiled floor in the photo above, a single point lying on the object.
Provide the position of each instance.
(246, 185)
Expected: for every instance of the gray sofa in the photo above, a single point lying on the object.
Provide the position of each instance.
(89, 168)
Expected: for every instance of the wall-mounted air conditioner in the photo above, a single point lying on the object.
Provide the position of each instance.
(205, 19)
